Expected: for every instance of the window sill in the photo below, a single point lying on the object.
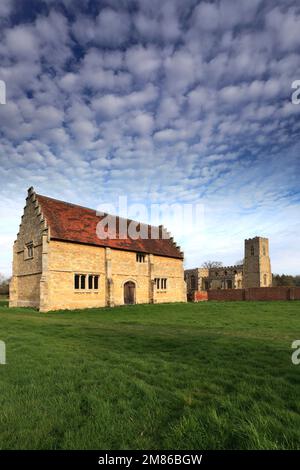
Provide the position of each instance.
(79, 291)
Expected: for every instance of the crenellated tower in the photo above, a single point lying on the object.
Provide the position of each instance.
(257, 265)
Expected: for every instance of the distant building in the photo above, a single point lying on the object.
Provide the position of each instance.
(254, 272)
(60, 262)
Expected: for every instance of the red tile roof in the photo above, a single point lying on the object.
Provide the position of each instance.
(72, 223)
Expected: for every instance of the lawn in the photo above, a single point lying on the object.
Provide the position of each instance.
(184, 376)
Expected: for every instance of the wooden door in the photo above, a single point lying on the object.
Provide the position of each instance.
(129, 293)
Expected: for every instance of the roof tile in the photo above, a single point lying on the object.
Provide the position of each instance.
(73, 223)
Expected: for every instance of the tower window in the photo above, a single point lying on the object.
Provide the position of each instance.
(252, 250)
(264, 250)
(193, 282)
(265, 279)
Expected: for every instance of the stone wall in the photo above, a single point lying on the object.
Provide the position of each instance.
(27, 272)
(64, 261)
(115, 268)
(257, 265)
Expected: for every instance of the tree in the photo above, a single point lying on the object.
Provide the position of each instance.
(239, 262)
(285, 280)
(4, 284)
(212, 264)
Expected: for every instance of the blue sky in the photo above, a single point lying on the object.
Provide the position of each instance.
(161, 101)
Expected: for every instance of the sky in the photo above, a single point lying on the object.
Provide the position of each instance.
(163, 102)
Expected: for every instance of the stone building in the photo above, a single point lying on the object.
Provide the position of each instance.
(60, 262)
(254, 272)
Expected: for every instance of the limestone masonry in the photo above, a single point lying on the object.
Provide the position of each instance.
(254, 272)
(60, 263)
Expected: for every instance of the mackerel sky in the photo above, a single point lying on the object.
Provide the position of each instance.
(160, 101)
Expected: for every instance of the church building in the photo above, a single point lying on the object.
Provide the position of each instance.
(254, 272)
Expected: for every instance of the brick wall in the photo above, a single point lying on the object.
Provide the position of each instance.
(256, 293)
(226, 294)
(199, 296)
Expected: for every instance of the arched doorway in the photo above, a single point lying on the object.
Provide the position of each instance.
(129, 293)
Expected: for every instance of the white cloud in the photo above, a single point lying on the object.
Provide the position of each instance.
(21, 42)
(190, 100)
(112, 28)
(142, 61)
(141, 124)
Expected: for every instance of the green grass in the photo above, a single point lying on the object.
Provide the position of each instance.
(183, 376)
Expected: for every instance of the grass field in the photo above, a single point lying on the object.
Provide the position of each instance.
(183, 376)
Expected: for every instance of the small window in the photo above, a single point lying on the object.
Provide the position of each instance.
(161, 284)
(140, 258)
(265, 279)
(193, 282)
(86, 281)
(29, 248)
(252, 250)
(76, 281)
(264, 250)
(225, 272)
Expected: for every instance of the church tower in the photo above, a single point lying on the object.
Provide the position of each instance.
(257, 266)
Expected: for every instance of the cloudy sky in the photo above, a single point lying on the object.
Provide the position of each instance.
(162, 101)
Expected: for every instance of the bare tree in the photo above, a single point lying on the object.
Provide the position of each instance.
(239, 262)
(212, 264)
